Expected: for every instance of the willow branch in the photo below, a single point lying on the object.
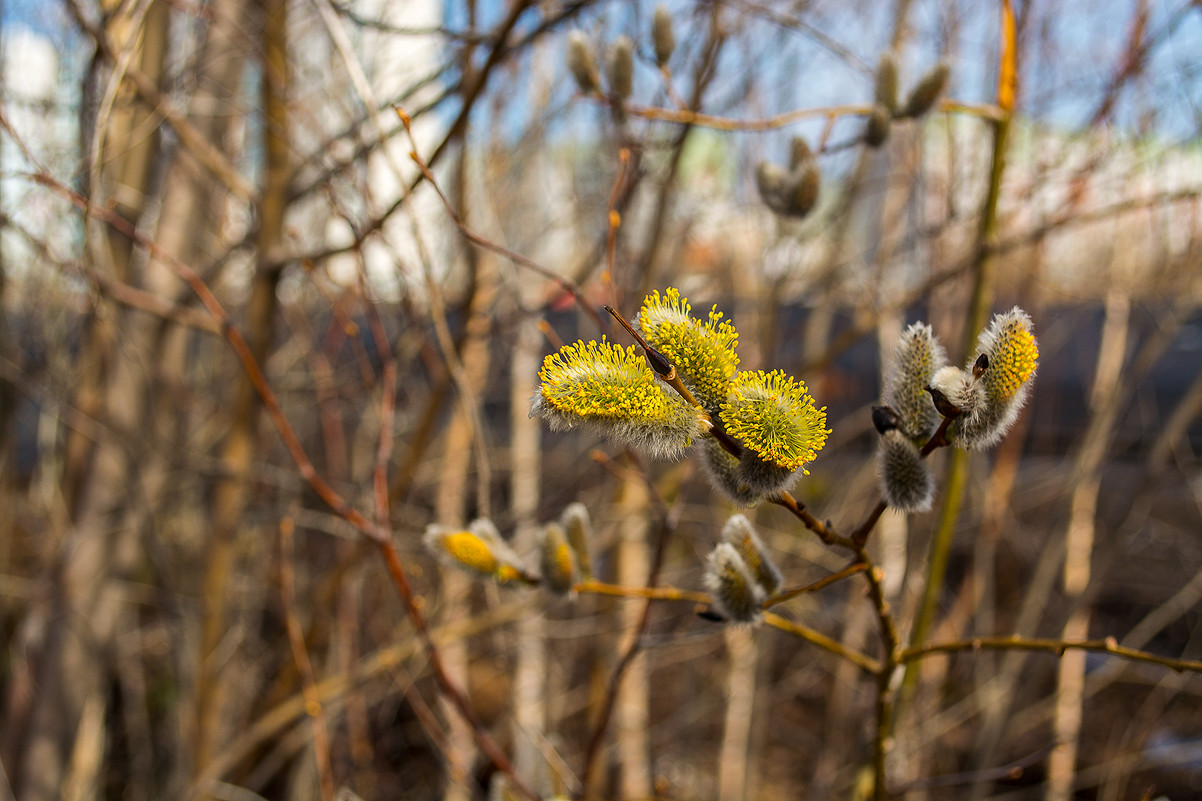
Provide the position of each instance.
(650, 593)
(788, 595)
(701, 120)
(865, 663)
(300, 655)
(308, 471)
(1108, 645)
(479, 240)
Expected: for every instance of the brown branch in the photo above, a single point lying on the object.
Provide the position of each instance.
(327, 493)
(865, 663)
(825, 531)
(667, 525)
(564, 283)
(701, 120)
(1108, 645)
(614, 217)
(788, 595)
(300, 655)
(193, 140)
(458, 699)
(593, 587)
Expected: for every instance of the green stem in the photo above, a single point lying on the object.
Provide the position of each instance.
(957, 474)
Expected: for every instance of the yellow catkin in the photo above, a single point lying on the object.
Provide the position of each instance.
(1012, 362)
(775, 418)
(470, 551)
(702, 352)
(602, 380)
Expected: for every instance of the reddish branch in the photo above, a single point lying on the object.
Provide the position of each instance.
(376, 533)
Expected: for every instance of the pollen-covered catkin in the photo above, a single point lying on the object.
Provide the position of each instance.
(479, 549)
(775, 418)
(906, 483)
(1012, 353)
(703, 353)
(736, 594)
(612, 391)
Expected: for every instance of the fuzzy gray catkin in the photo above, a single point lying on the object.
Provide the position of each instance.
(722, 469)
(961, 388)
(906, 483)
(736, 594)
(621, 68)
(804, 193)
(915, 360)
(885, 90)
(740, 533)
(793, 192)
(579, 529)
(880, 120)
(800, 154)
(763, 478)
(772, 182)
(662, 35)
(923, 96)
(582, 63)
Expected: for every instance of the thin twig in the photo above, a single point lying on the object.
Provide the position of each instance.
(825, 531)
(387, 403)
(300, 655)
(1108, 645)
(667, 525)
(614, 217)
(865, 663)
(788, 595)
(593, 587)
(308, 471)
(567, 284)
(701, 120)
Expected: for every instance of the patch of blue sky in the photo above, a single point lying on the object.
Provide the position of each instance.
(44, 17)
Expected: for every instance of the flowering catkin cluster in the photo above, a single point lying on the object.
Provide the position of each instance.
(992, 393)
(740, 574)
(612, 390)
(982, 401)
(480, 550)
(771, 418)
(886, 108)
(791, 192)
(619, 72)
